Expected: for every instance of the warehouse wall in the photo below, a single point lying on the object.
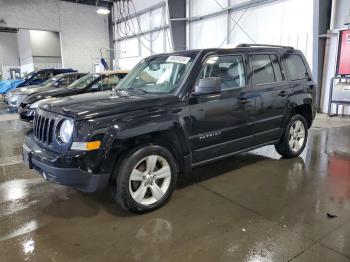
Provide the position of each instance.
(25, 50)
(9, 56)
(83, 32)
(8, 49)
(281, 22)
(131, 47)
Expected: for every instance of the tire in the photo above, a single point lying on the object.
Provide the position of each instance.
(294, 139)
(138, 186)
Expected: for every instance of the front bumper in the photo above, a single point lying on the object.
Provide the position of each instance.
(49, 164)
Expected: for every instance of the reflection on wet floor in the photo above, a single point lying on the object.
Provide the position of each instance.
(251, 207)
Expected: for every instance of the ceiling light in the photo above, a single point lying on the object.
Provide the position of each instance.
(103, 11)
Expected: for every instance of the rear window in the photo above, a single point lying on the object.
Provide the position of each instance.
(266, 69)
(295, 67)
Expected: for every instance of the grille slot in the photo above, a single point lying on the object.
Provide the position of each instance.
(43, 127)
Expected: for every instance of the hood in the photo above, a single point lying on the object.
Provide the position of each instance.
(29, 90)
(9, 85)
(47, 92)
(98, 104)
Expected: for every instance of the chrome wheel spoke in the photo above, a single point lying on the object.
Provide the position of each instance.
(297, 126)
(291, 142)
(301, 134)
(140, 193)
(162, 173)
(151, 162)
(157, 192)
(136, 175)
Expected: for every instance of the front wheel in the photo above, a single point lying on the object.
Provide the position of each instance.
(294, 139)
(145, 179)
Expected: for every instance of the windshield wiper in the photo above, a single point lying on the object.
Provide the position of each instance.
(134, 90)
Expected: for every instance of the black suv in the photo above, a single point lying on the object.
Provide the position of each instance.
(171, 113)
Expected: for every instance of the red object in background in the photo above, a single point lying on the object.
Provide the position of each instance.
(344, 53)
(339, 178)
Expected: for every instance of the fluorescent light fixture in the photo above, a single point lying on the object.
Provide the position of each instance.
(103, 11)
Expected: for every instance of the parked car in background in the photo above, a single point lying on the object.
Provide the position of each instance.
(174, 112)
(90, 83)
(34, 78)
(15, 97)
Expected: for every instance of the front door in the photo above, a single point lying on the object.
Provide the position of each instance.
(220, 120)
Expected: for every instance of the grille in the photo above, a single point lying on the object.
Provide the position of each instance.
(43, 128)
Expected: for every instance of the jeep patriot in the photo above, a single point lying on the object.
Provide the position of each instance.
(171, 113)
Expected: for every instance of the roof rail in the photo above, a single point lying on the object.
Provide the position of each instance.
(262, 45)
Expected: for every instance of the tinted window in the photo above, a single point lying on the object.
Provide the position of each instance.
(296, 67)
(276, 68)
(262, 69)
(42, 76)
(229, 68)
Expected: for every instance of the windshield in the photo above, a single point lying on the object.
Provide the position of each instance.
(29, 75)
(84, 81)
(161, 74)
(49, 81)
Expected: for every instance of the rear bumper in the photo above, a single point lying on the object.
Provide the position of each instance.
(49, 165)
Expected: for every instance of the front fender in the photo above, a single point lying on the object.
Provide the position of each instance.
(120, 135)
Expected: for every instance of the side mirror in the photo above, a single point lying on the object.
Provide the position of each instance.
(210, 85)
(56, 84)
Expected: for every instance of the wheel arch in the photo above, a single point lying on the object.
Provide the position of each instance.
(173, 138)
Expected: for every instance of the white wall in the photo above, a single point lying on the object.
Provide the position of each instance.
(24, 47)
(83, 32)
(8, 49)
(9, 56)
(287, 22)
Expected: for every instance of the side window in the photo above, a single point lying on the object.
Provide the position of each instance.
(262, 69)
(230, 68)
(65, 81)
(296, 67)
(276, 68)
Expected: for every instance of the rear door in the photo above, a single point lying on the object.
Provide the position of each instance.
(300, 77)
(272, 90)
(220, 121)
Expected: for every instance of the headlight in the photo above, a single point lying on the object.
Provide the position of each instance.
(66, 131)
(12, 98)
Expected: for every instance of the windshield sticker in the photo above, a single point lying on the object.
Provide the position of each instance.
(178, 59)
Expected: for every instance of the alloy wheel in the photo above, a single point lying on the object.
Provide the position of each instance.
(296, 136)
(149, 180)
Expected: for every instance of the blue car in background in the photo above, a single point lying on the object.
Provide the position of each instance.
(34, 78)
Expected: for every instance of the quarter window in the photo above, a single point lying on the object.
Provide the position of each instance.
(229, 68)
(296, 67)
(266, 69)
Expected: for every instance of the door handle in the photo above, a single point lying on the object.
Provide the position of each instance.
(244, 100)
(283, 93)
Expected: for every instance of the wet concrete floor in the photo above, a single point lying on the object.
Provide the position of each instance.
(251, 207)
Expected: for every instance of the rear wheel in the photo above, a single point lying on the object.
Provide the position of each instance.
(145, 179)
(294, 138)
